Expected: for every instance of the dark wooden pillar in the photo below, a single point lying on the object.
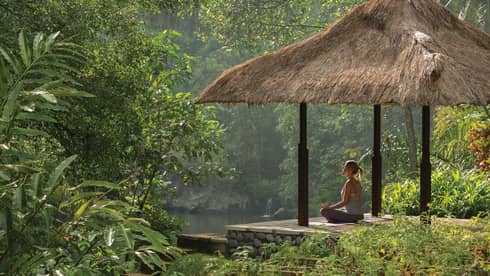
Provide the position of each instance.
(302, 169)
(376, 163)
(425, 167)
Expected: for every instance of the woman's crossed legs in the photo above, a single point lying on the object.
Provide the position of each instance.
(337, 216)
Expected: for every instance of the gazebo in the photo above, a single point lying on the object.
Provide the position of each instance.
(384, 52)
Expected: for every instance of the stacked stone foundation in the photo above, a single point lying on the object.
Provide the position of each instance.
(254, 240)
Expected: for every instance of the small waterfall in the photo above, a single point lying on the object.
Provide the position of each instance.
(268, 208)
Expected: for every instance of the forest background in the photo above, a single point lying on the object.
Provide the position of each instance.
(98, 122)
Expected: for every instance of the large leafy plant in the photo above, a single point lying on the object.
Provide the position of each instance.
(48, 225)
(454, 194)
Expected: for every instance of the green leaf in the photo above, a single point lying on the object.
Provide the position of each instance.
(156, 239)
(81, 209)
(59, 65)
(45, 72)
(37, 45)
(109, 236)
(5, 79)
(67, 47)
(35, 117)
(53, 107)
(66, 58)
(55, 176)
(8, 109)
(50, 40)
(156, 259)
(48, 84)
(9, 57)
(138, 220)
(64, 45)
(25, 52)
(167, 251)
(109, 212)
(79, 197)
(28, 132)
(49, 97)
(70, 92)
(20, 168)
(128, 236)
(145, 259)
(36, 81)
(98, 183)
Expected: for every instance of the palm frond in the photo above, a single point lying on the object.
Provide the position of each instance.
(25, 51)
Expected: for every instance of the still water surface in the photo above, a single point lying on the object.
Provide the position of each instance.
(214, 223)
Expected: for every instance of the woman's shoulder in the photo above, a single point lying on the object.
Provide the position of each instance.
(353, 183)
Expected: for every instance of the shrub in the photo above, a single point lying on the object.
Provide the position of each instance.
(454, 194)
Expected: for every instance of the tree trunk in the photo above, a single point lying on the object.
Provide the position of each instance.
(148, 189)
(487, 21)
(411, 140)
(195, 18)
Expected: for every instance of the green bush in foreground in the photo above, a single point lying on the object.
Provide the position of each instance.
(410, 247)
(403, 248)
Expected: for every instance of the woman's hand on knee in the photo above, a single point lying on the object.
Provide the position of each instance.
(324, 206)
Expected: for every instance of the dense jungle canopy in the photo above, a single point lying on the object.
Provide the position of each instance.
(100, 139)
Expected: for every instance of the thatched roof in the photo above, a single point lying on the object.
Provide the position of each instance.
(407, 52)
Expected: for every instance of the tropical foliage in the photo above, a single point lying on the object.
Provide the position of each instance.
(48, 224)
(404, 247)
(455, 193)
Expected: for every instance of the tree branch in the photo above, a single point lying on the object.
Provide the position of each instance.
(150, 184)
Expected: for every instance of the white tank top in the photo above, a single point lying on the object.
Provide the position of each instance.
(354, 205)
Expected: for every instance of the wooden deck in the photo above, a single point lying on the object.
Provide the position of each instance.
(291, 227)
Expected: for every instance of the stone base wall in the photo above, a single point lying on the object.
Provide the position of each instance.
(256, 239)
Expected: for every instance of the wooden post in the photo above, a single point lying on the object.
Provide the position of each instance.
(376, 163)
(425, 166)
(302, 169)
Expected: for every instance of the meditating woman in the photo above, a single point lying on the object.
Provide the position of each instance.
(351, 197)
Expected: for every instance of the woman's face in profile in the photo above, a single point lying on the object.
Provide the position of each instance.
(346, 171)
